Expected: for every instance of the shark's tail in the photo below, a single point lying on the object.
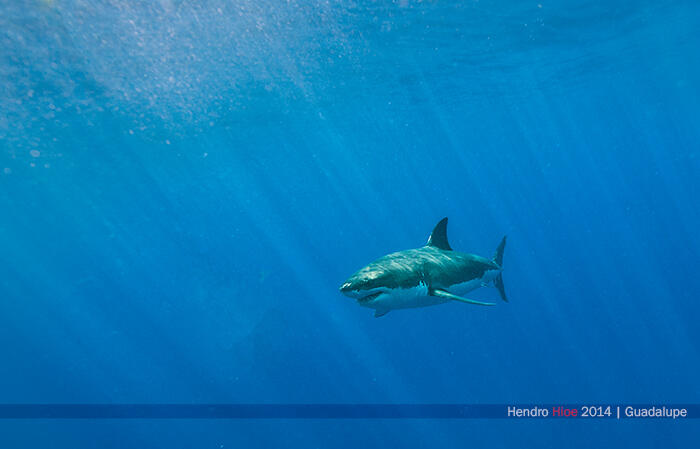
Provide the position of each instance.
(498, 258)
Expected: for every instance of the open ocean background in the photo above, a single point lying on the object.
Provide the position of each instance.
(185, 184)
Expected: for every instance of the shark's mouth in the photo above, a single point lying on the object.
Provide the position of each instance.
(368, 298)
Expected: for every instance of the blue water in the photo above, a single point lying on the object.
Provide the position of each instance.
(184, 186)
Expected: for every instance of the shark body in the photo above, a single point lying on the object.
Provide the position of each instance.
(427, 276)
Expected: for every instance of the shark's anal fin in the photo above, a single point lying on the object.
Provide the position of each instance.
(380, 312)
(447, 295)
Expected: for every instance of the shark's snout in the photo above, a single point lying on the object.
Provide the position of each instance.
(350, 289)
(357, 288)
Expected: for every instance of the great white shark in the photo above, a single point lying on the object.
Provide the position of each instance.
(427, 276)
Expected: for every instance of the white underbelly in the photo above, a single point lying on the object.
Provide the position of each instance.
(465, 287)
(405, 298)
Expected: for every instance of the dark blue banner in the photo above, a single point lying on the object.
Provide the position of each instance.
(347, 411)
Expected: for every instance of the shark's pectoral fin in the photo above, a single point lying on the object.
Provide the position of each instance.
(380, 312)
(447, 295)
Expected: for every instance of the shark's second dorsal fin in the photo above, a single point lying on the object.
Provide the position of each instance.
(438, 238)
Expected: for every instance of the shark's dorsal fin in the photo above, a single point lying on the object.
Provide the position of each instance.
(438, 238)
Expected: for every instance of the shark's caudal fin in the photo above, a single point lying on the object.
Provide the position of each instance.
(438, 238)
(498, 258)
